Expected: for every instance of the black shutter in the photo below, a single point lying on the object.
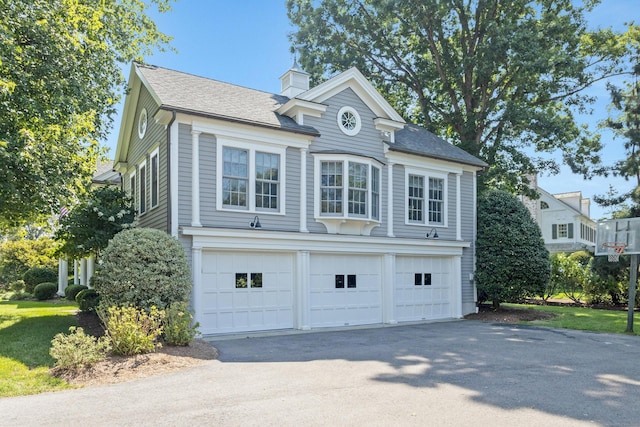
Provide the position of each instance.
(554, 231)
(570, 230)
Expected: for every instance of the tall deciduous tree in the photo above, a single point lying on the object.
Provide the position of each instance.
(59, 81)
(494, 77)
(625, 123)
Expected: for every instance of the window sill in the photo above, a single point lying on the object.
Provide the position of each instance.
(352, 226)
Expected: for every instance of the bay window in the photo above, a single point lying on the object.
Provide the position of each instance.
(349, 188)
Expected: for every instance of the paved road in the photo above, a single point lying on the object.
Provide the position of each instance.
(460, 373)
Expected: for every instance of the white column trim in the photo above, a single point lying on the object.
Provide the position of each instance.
(456, 287)
(174, 136)
(390, 199)
(196, 290)
(303, 190)
(388, 289)
(195, 179)
(83, 271)
(76, 276)
(63, 273)
(91, 268)
(458, 208)
(303, 313)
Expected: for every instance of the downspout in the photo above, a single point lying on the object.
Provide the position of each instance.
(169, 219)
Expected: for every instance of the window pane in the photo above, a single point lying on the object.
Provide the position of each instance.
(235, 177)
(241, 280)
(436, 201)
(331, 187)
(154, 181)
(358, 189)
(416, 198)
(267, 184)
(375, 193)
(256, 280)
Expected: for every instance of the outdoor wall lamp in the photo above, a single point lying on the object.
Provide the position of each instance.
(255, 223)
(433, 234)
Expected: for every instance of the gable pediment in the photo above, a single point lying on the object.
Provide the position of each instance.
(354, 80)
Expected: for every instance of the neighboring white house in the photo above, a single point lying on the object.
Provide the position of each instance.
(564, 220)
(310, 208)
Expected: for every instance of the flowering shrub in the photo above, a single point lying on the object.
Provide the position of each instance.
(78, 350)
(132, 330)
(89, 226)
(177, 327)
(143, 267)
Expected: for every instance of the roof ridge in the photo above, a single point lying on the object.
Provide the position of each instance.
(153, 66)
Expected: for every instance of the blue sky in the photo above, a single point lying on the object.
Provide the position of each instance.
(244, 42)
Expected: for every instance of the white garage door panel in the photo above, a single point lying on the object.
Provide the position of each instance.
(345, 306)
(423, 302)
(230, 309)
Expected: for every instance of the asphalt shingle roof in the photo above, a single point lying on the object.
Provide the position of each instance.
(211, 98)
(199, 95)
(414, 139)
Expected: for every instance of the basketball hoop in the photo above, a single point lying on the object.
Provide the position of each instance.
(614, 250)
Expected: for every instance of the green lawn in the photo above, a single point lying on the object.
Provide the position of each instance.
(26, 331)
(586, 319)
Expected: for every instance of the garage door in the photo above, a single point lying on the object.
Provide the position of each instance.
(423, 288)
(345, 290)
(246, 291)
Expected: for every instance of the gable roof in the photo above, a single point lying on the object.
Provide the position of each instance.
(183, 92)
(190, 94)
(355, 80)
(559, 202)
(414, 139)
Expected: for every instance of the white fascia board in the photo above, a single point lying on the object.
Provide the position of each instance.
(295, 106)
(425, 163)
(144, 81)
(353, 78)
(243, 132)
(128, 118)
(277, 241)
(418, 161)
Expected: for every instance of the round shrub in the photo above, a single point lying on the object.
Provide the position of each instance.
(512, 262)
(72, 290)
(88, 300)
(46, 290)
(35, 276)
(143, 267)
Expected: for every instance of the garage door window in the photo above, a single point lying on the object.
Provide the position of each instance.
(422, 279)
(242, 281)
(351, 281)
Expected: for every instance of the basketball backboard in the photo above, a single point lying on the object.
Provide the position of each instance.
(619, 232)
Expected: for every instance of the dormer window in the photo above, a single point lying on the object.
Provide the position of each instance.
(349, 121)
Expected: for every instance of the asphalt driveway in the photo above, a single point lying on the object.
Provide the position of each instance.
(458, 373)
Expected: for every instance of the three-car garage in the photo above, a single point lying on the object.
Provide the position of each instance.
(258, 290)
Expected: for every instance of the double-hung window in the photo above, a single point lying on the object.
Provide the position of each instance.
(133, 189)
(426, 202)
(155, 178)
(349, 188)
(235, 180)
(142, 182)
(250, 178)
